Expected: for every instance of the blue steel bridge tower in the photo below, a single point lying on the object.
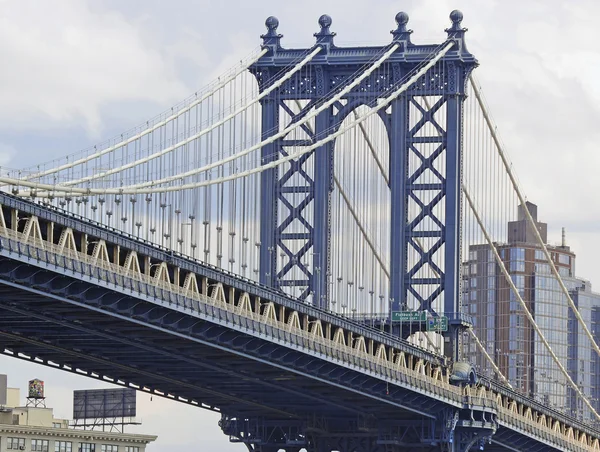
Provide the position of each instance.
(438, 204)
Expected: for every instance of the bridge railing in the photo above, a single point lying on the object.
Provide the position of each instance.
(253, 323)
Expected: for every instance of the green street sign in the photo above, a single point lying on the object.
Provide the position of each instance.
(409, 316)
(437, 323)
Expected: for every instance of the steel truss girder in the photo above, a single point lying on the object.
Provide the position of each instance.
(318, 435)
(215, 275)
(349, 384)
(130, 243)
(518, 441)
(122, 304)
(190, 365)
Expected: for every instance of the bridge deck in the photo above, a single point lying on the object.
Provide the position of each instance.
(62, 306)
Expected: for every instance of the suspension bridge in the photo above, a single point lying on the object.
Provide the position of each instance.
(290, 247)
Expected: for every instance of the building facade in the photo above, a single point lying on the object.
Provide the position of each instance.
(36, 429)
(506, 333)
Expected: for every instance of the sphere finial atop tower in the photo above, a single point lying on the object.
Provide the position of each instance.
(325, 35)
(272, 23)
(402, 19)
(325, 22)
(272, 39)
(456, 31)
(456, 17)
(401, 33)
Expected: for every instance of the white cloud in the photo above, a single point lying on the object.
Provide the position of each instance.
(63, 62)
(6, 153)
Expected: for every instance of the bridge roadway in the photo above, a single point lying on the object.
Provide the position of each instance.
(87, 299)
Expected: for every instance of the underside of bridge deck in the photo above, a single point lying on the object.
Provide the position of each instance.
(61, 322)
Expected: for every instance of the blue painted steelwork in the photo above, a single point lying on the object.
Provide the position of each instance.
(100, 326)
(332, 69)
(229, 280)
(103, 324)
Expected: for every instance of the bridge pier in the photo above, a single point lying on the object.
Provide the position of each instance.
(467, 430)
(455, 430)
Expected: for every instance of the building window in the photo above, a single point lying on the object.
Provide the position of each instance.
(564, 271)
(564, 259)
(63, 446)
(15, 443)
(517, 254)
(132, 449)
(539, 255)
(87, 447)
(39, 445)
(517, 259)
(109, 448)
(56, 425)
(517, 266)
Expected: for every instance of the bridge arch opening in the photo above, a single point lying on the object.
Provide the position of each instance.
(360, 206)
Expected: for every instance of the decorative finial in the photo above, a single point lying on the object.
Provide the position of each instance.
(402, 20)
(271, 38)
(325, 22)
(271, 23)
(325, 36)
(401, 33)
(456, 17)
(456, 31)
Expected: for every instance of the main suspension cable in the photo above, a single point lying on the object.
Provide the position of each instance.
(259, 169)
(95, 155)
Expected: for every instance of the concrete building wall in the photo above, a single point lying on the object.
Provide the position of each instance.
(68, 440)
(13, 398)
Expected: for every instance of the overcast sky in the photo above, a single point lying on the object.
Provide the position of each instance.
(75, 72)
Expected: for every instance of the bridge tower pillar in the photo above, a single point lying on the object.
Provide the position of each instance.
(295, 235)
(424, 129)
(425, 184)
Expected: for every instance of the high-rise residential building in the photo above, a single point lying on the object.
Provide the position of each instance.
(506, 333)
(34, 428)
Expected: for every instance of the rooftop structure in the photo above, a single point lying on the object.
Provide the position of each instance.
(33, 428)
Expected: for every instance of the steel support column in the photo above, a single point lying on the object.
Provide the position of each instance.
(268, 201)
(399, 202)
(323, 184)
(453, 207)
